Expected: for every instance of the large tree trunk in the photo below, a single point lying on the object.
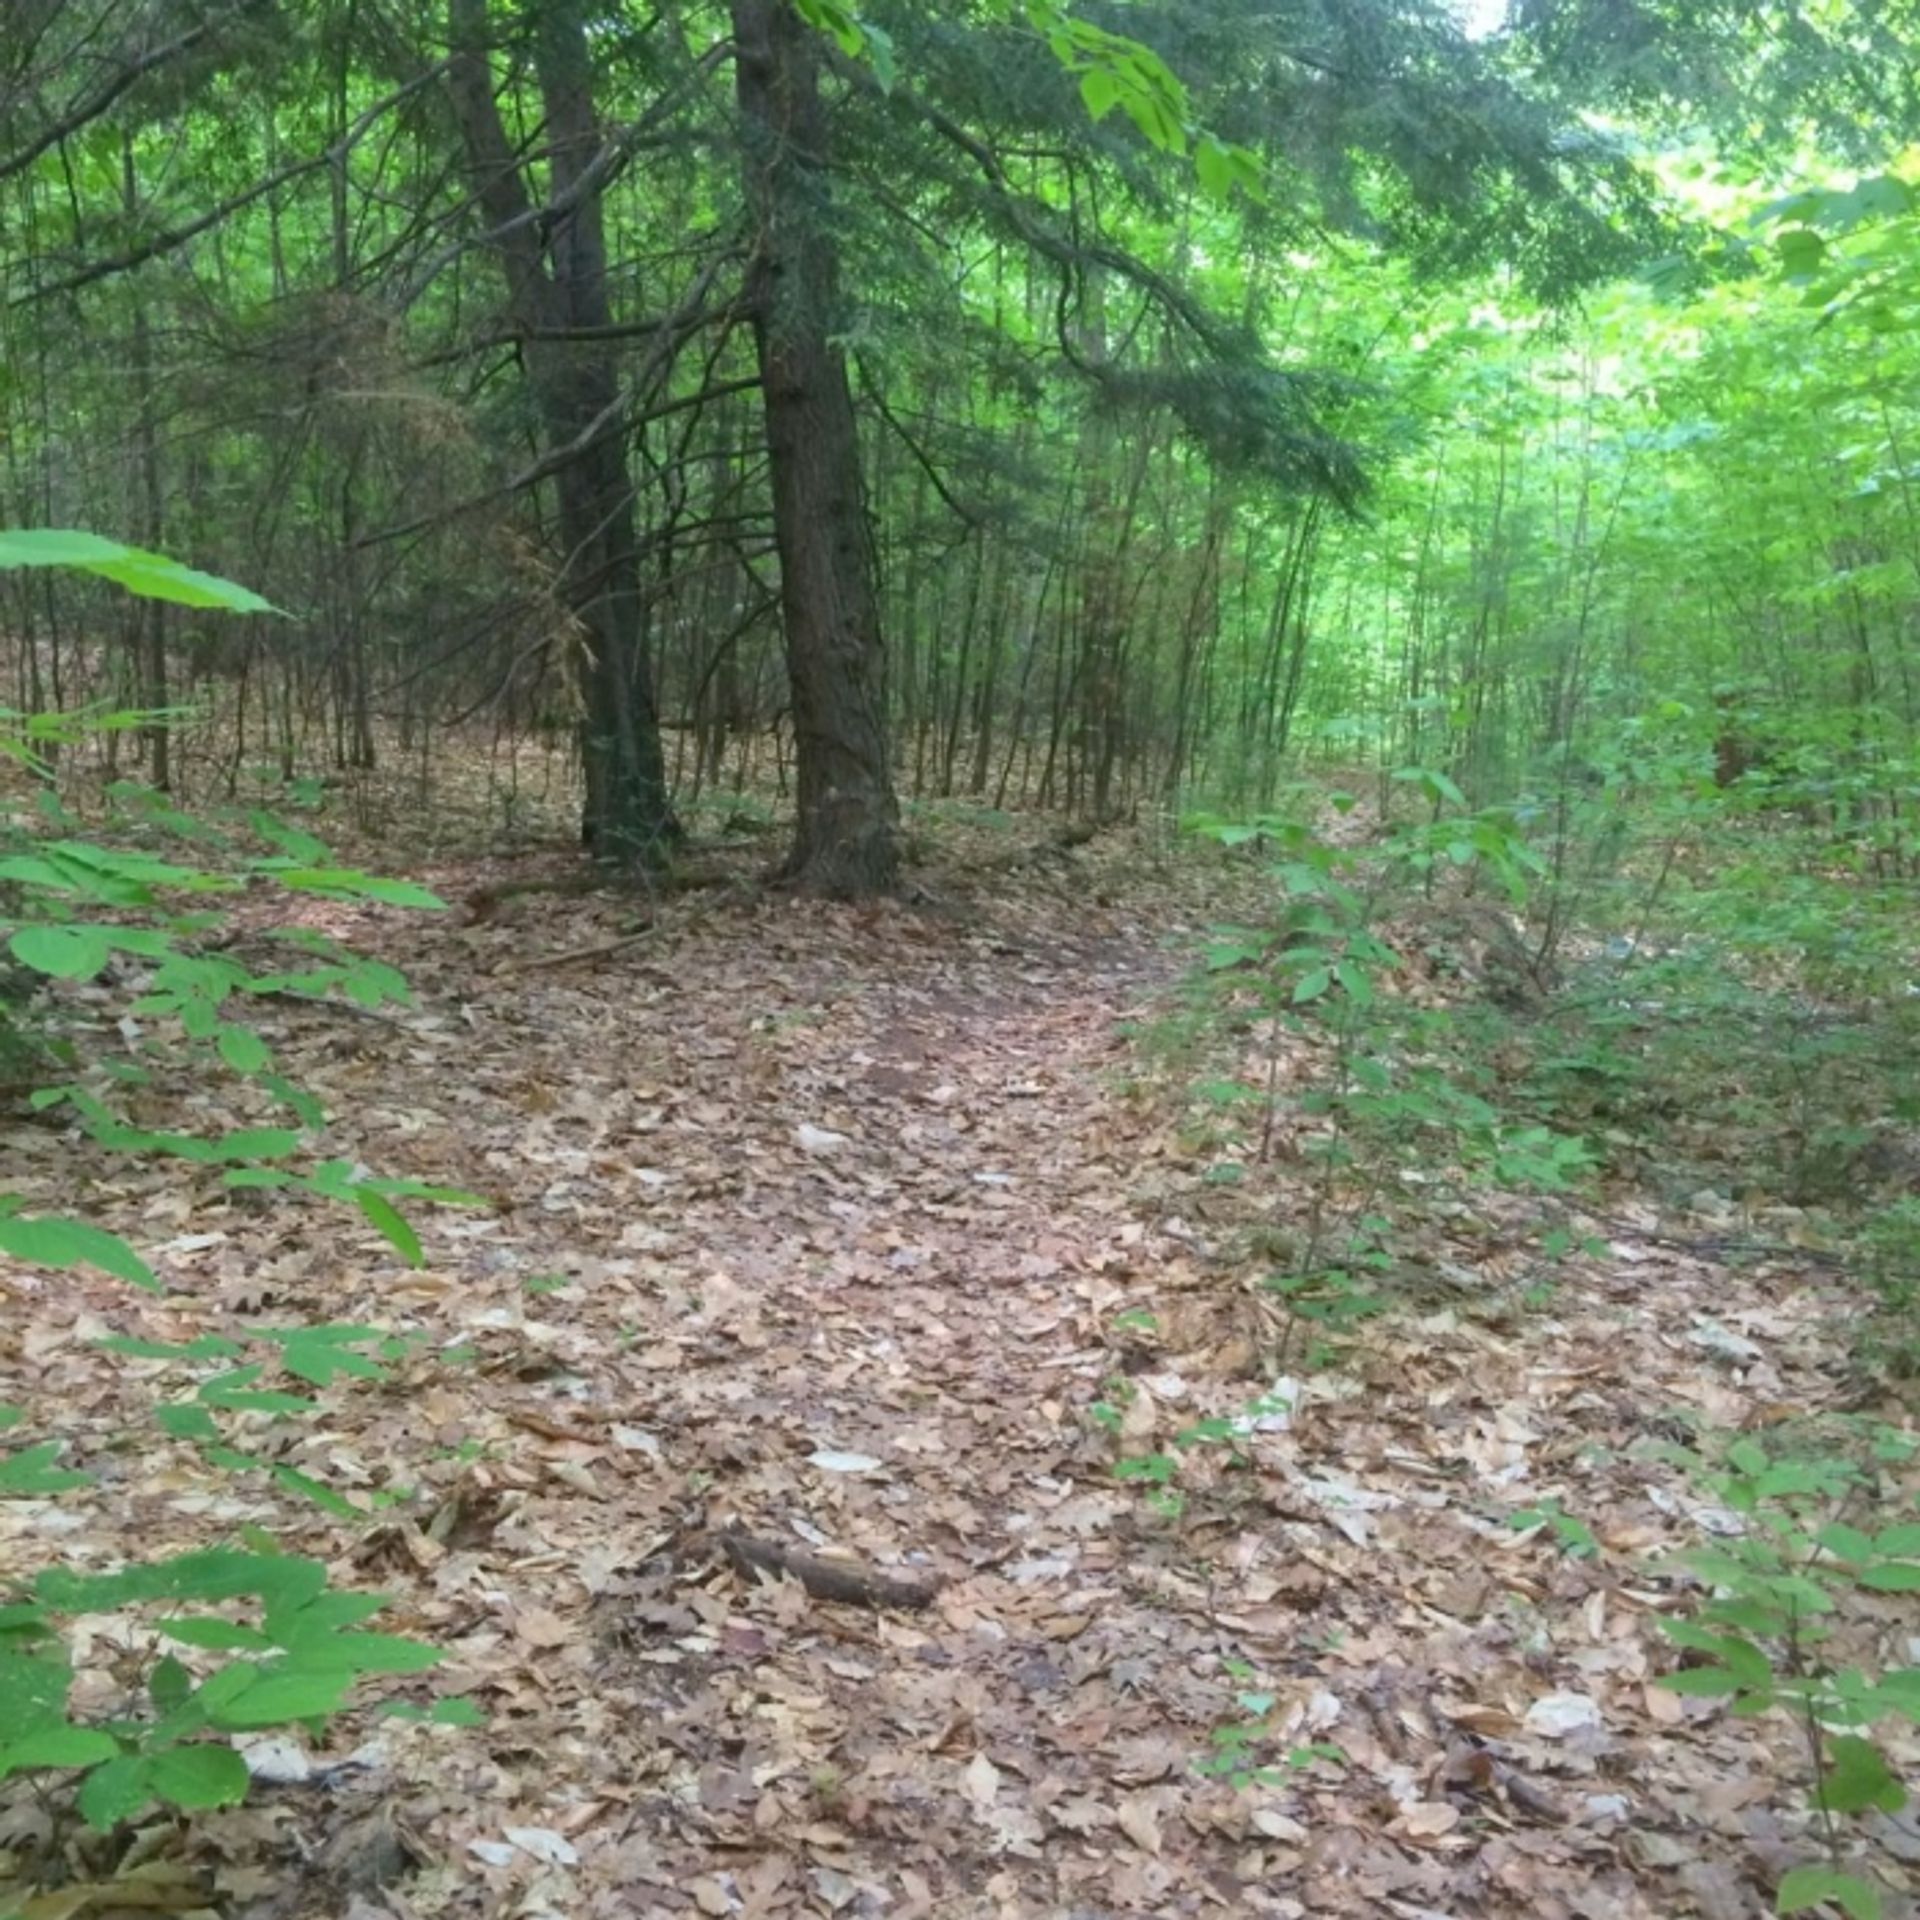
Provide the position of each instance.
(557, 287)
(846, 838)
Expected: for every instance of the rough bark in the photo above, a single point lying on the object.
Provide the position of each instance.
(846, 841)
(556, 287)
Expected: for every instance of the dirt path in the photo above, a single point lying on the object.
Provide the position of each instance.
(831, 1227)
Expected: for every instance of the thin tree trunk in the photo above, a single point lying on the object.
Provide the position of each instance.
(151, 615)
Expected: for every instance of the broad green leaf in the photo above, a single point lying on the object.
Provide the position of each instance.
(1212, 163)
(243, 1049)
(1892, 1576)
(322, 1354)
(325, 1613)
(282, 1695)
(1100, 91)
(169, 1685)
(60, 1746)
(202, 1775)
(219, 1636)
(30, 1473)
(1845, 1542)
(209, 1346)
(65, 953)
(48, 1242)
(366, 1653)
(1815, 1884)
(1312, 984)
(150, 575)
(188, 1422)
(115, 1791)
(263, 1400)
(33, 1683)
(294, 842)
(1858, 1778)
(1705, 1683)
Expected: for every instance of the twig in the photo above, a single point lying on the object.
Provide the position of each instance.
(599, 950)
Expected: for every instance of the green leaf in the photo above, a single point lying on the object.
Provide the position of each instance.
(188, 1421)
(291, 841)
(208, 1346)
(218, 1636)
(387, 1218)
(50, 1242)
(115, 1791)
(150, 575)
(199, 1776)
(1213, 164)
(283, 1695)
(60, 1746)
(1358, 987)
(33, 1680)
(1801, 252)
(169, 1685)
(1706, 1683)
(1858, 1778)
(243, 1049)
(267, 1400)
(1892, 1576)
(1100, 90)
(1814, 1884)
(31, 1472)
(317, 1491)
(62, 952)
(1846, 1543)
(364, 1653)
(881, 56)
(321, 1354)
(345, 883)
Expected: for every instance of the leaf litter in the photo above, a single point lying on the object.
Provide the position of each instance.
(742, 1459)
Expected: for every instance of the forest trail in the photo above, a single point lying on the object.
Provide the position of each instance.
(834, 1226)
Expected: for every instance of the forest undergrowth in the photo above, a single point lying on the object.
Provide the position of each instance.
(1147, 1378)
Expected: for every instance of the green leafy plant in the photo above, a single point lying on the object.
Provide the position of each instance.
(1760, 1640)
(1890, 1265)
(1576, 1539)
(71, 909)
(1330, 1302)
(1391, 1083)
(291, 1663)
(234, 1384)
(1244, 1751)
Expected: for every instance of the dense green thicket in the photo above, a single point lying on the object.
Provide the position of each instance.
(1351, 434)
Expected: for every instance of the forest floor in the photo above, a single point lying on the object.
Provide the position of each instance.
(824, 1232)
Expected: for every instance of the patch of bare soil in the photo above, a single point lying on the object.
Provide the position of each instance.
(746, 1467)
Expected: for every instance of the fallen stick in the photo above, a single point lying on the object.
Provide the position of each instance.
(840, 1580)
(599, 950)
